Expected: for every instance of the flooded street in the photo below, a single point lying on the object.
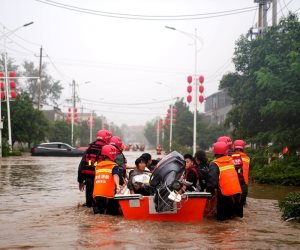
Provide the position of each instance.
(41, 207)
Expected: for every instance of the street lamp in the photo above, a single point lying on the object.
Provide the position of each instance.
(195, 38)
(5, 36)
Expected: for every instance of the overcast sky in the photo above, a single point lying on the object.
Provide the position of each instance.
(130, 61)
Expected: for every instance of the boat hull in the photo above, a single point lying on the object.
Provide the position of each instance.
(190, 209)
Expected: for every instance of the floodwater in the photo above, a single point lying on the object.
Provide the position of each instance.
(41, 208)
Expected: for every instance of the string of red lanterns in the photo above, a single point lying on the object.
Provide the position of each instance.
(190, 89)
(12, 87)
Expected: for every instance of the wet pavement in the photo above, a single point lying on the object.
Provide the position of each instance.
(41, 208)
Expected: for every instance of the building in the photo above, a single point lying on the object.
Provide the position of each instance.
(217, 106)
(54, 115)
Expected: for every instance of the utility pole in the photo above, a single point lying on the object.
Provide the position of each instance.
(274, 12)
(157, 131)
(73, 110)
(39, 80)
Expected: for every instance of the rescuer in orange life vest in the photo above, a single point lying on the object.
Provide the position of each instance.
(106, 182)
(222, 179)
(120, 158)
(86, 168)
(239, 147)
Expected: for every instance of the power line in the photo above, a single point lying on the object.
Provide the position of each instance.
(129, 104)
(145, 17)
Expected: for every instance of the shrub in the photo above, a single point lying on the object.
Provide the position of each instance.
(290, 206)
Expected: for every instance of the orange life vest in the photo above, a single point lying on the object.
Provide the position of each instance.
(246, 166)
(104, 184)
(228, 178)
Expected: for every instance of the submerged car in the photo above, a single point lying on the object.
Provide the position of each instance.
(55, 149)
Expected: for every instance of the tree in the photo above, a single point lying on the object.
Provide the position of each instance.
(150, 131)
(265, 87)
(182, 136)
(60, 131)
(27, 124)
(50, 89)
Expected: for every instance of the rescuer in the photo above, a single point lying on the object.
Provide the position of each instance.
(222, 180)
(239, 148)
(86, 168)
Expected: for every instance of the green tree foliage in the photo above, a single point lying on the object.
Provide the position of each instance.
(182, 137)
(27, 124)
(60, 131)
(50, 89)
(265, 87)
(150, 131)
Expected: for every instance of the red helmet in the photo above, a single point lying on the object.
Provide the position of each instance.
(239, 144)
(226, 139)
(110, 151)
(117, 142)
(104, 135)
(220, 148)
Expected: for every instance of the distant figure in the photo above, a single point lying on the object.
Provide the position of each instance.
(158, 149)
(222, 180)
(86, 168)
(239, 147)
(106, 183)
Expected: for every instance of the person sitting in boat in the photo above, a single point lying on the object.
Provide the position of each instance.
(106, 182)
(201, 163)
(191, 174)
(138, 182)
(150, 164)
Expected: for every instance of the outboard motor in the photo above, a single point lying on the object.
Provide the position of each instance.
(165, 180)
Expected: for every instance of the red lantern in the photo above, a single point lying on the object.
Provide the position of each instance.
(201, 88)
(69, 120)
(75, 110)
(1, 74)
(2, 95)
(13, 85)
(168, 116)
(189, 89)
(201, 79)
(201, 98)
(189, 98)
(69, 109)
(174, 110)
(13, 94)
(190, 79)
(12, 74)
(2, 86)
(169, 111)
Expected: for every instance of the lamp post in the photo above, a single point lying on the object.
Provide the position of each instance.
(5, 36)
(195, 38)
